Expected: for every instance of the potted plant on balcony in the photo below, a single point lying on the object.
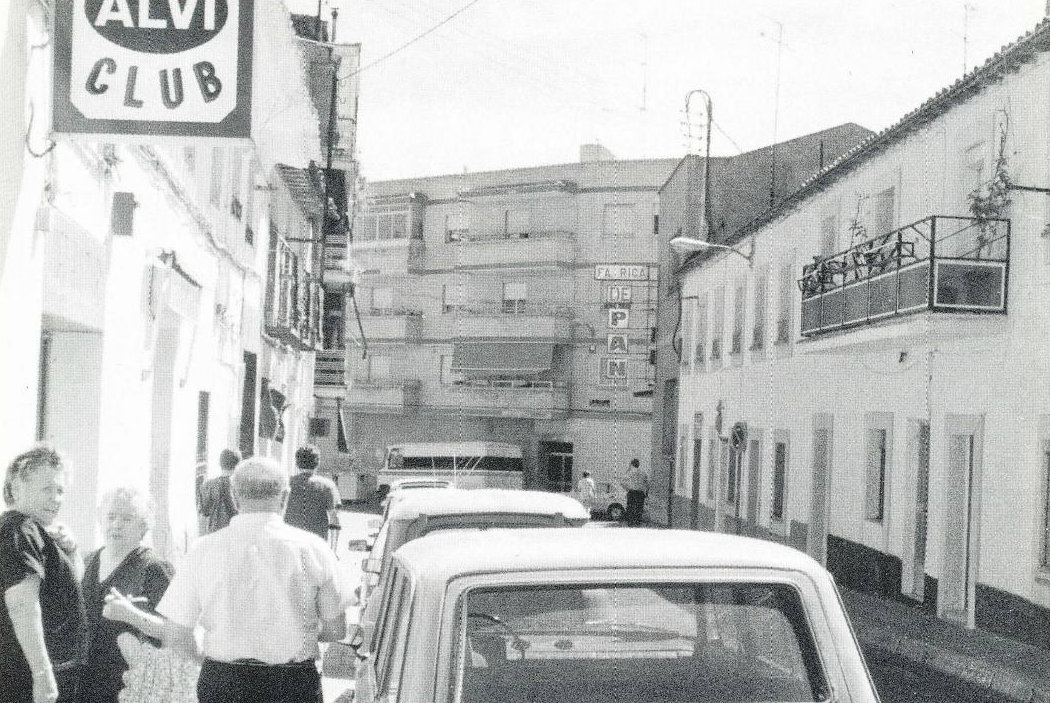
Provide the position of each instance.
(988, 202)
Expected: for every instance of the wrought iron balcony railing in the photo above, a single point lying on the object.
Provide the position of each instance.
(938, 264)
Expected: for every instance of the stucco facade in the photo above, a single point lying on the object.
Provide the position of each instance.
(909, 449)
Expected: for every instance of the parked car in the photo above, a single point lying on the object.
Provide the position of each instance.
(423, 512)
(588, 616)
(611, 500)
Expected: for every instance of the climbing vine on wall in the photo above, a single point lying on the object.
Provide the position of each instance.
(989, 200)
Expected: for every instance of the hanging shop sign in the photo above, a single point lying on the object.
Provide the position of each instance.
(623, 272)
(153, 67)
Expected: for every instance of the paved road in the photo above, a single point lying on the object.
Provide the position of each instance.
(900, 682)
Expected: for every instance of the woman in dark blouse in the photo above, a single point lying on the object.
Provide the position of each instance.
(41, 611)
(129, 567)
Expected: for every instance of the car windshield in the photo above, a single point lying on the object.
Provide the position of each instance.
(654, 643)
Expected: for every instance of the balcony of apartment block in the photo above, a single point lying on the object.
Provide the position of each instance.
(392, 324)
(330, 373)
(293, 313)
(508, 319)
(945, 276)
(383, 396)
(388, 256)
(482, 249)
(510, 398)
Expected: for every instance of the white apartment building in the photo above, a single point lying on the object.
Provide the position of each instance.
(515, 306)
(886, 347)
(160, 300)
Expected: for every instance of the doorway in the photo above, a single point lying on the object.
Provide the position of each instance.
(558, 461)
(955, 592)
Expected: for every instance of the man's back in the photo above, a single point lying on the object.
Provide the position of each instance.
(260, 589)
(309, 503)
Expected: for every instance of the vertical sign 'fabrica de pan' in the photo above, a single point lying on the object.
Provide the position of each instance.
(153, 67)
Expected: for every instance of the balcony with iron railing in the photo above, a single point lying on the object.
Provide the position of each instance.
(294, 302)
(517, 398)
(507, 319)
(383, 396)
(337, 266)
(485, 248)
(330, 373)
(940, 264)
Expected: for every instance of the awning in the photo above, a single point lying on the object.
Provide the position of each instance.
(496, 358)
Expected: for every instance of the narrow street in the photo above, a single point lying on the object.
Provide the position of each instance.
(898, 681)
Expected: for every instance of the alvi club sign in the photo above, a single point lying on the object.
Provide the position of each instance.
(153, 67)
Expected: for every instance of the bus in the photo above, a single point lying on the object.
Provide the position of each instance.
(466, 464)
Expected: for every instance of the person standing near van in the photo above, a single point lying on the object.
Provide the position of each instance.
(587, 491)
(216, 500)
(636, 483)
(313, 503)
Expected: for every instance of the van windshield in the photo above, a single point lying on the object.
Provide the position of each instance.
(463, 463)
(648, 643)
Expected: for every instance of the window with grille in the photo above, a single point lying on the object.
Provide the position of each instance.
(700, 342)
(875, 501)
(758, 337)
(738, 318)
(718, 322)
(514, 298)
(786, 287)
(780, 465)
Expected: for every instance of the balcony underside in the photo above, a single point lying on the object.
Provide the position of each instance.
(898, 333)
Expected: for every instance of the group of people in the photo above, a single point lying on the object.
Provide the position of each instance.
(635, 482)
(249, 604)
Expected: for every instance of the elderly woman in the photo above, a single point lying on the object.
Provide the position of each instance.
(41, 612)
(132, 569)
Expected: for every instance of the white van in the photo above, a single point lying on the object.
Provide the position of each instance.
(465, 464)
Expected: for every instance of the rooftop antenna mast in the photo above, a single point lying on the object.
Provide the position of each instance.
(697, 123)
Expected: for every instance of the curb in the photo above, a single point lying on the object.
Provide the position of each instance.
(998, 683)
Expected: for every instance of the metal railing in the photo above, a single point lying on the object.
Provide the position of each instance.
(940, 263)
(470, 235)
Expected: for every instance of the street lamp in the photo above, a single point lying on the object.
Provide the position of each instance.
(687, 245)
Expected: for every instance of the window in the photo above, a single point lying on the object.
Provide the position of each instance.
(758, 338)
(885, 206)
(516, 223)
(514, 298)
(1045, 561)
(378, 225)
(455, 229)
(218, 155)
(686, 347)
(780, 466)
(875, 501)
(704, 641)
(683, 457)
(390, 633)
(450, 296)
(786, 286)
(618, 220)
(828, 236)
(614, 372)
(700, 345)
(738, 318)
(718, 322)
(382, 301)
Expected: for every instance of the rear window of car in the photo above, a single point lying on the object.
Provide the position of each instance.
(651, 643)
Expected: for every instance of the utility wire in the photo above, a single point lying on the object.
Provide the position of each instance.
(411, 41)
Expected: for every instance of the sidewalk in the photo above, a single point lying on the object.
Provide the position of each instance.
(998, 666)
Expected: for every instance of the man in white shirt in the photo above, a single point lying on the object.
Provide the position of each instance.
(264, 594)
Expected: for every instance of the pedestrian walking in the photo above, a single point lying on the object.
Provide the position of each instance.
(126, 564)
(216, 499)
(313, 504)
(587, 491)
(264, 594)
(636, 483)
(42, 623)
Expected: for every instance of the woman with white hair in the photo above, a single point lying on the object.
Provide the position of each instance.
(125, 564)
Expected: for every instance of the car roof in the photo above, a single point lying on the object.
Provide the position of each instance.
(444, 556)
(413, 483)
(456, 449)
(456, 501)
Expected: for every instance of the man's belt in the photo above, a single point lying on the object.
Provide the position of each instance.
(255, 663)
